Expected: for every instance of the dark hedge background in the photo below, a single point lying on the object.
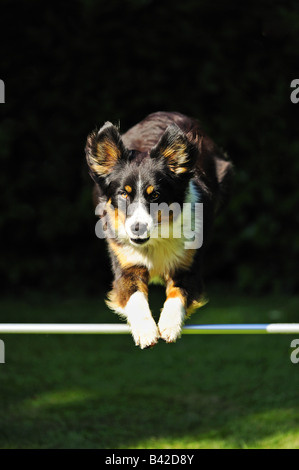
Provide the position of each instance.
(70, 66)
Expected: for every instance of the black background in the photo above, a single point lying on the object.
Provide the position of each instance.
(69, 66)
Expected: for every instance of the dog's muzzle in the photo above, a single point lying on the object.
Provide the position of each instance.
(140, 232)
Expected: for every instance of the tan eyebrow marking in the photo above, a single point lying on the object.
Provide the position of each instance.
(150, 189)
(128, 188)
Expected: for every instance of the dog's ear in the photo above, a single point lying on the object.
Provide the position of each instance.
(179, 153)
(224, 174)
(104, 148)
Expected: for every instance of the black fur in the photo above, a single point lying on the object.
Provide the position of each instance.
(164, 151)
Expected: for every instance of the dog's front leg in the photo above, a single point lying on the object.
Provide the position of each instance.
(173, 313)
(143, 327)
(129, 298)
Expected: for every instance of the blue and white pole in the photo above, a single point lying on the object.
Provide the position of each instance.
(115, 328)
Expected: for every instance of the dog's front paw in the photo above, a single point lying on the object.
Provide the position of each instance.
(143, 327)
(145, 333)
(171, 320)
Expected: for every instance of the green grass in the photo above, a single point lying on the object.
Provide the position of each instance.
(205, 391)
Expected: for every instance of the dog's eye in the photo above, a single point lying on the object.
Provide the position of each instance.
(124, 194)
(154, 195)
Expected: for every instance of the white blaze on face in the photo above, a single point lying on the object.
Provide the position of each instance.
(138, 219)
(139, 222)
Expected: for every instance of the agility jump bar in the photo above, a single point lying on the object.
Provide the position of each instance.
(115, 328)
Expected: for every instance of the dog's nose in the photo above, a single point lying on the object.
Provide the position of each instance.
(139, 229)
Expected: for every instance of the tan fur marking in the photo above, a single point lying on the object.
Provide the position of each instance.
(159, 216)
(121, 257)
(115, 215)
(181, 170)
(109, 151)
(106, 156)
(195, 305)
(172, 292)
(128, 188)
(164, 218)
(150, 189)
(177, 156)
(133, 279)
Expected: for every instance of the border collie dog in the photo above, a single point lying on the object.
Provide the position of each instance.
(164, 162)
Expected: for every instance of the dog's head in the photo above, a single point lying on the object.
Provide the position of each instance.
(135, 184)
